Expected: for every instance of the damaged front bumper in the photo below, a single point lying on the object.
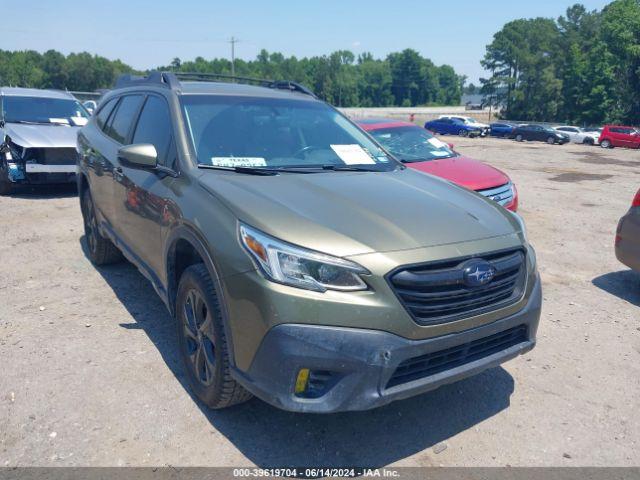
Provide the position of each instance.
(39, 170)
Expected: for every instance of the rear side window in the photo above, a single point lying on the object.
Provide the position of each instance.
(121, 121)
(154, 127)
(103, 114)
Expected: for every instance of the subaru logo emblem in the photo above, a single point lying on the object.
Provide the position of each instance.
(478, 273)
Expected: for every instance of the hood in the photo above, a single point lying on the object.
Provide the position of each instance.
(352, 213)
(464, 171)
(42, 136)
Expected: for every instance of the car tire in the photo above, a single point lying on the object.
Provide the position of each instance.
(462, 133)
(6, 186)
(588, 141)
(101, 250)
(519, 138)
(551, 140)
(202, 340)
(606, 144)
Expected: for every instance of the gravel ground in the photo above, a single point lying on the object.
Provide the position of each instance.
(90, 373)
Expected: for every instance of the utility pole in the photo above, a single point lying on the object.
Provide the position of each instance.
(233, 42)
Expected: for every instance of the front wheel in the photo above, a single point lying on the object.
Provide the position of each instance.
(6, 186)
(202, 340)
(606, 144)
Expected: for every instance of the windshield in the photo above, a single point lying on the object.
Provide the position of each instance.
(276, 133)
(43, 110)
(412, 144)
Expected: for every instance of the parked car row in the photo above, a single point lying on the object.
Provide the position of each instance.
(609, 136)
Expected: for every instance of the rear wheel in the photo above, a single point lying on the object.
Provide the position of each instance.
(551, 140)
(588, 141)
(519, 138)
(462, 133)
(202, 339)
(605, 143)
(101, 250)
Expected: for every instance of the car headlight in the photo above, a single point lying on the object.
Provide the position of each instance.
(523, 227)
(298, 267)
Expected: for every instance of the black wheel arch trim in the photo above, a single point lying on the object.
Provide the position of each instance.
(188, 233)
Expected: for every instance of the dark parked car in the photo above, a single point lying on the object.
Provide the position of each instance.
(452, 126)
(539, 133)
(504, 130)
(301, 261)
(628, 236)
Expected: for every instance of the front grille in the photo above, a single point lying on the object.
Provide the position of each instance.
(52, 156)
(503, 195)
(432, 363)
(437, 292)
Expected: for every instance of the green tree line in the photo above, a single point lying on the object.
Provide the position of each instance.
(403, 78)
(583, 67)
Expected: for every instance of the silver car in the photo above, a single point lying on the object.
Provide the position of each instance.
(38, 131)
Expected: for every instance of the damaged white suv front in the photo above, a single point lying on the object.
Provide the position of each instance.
(38, 130)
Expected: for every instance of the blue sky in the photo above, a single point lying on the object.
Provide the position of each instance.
(146, 34)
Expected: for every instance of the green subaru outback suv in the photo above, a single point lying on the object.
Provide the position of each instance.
(303, 264)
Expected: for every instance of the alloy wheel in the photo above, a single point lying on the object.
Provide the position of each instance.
(197, 330)
(90, 224)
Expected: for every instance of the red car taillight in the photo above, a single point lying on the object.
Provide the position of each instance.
(636, 200)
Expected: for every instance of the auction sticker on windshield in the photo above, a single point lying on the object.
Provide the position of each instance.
(233, 162)
(352, 154)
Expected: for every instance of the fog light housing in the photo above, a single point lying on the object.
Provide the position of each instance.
(302, 381)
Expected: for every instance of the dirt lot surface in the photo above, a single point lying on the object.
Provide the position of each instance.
(90, 373)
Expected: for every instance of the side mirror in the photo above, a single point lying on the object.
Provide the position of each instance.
(142, 155)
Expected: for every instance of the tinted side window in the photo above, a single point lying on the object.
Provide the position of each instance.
(103, 114)
(123, 117)
(154, 127)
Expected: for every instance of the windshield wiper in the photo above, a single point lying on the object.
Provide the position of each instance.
(352, 168)
(260, 170)
(247, 170)
(28, 122)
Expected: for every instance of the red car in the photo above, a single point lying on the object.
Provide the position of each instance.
(628, 236)
(619, 136)
(420, 150)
